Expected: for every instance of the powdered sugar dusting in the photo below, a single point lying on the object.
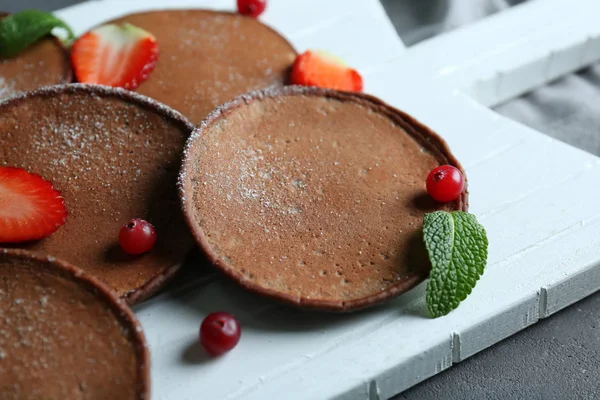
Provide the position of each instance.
(114, 155)
(107, 91)
(78, 144)
(7, 88)
(67, 338)
(223, 109)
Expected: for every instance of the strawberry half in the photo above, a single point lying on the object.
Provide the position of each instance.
(319, 68)
(115, 55)
(30, 208)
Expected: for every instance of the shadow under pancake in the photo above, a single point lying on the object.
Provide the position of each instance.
(115, 254)
(260, 313)
(264, 314)
(254, 311)
(417, 262)
(416, 258)
(166, 215)
(195, 268)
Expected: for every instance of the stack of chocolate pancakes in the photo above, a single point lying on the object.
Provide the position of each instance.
(310, 196)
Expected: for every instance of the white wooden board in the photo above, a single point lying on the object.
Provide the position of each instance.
(537, 197)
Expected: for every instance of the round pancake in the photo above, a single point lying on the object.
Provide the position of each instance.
(43, 64)
(115, 156)
(208, 57)
(65, 335)
(312, 196)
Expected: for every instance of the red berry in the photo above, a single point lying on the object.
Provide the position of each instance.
(219, 333)
(137, 236)
(251, 8)
(445, 183)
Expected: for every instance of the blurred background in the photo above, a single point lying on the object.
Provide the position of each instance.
(559, 357)
(566, 109)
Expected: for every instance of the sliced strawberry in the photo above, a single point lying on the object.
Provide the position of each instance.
(30, 208)
(115, 55)
(319, 68)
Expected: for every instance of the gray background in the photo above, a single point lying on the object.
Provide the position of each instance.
(559, 357)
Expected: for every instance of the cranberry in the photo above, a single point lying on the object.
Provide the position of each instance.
(251, 8)
(445, 183)
(219, 333)
(137, 236)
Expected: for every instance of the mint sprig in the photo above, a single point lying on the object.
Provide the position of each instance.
(457, 246)
(21, 30)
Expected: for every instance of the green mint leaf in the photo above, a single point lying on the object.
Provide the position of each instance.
(457, 246)
(21, 30)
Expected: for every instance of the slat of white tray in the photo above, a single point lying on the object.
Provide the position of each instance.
(537, 198)
(511, 52)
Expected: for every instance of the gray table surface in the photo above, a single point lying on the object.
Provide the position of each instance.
(559, 357)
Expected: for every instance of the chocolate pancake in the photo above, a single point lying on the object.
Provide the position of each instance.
(208, 57)
(43, 64)
(115, 156)
(312, 196)
(65, 335)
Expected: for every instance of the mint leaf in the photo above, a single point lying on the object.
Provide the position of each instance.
(457, 246)
(21, 30)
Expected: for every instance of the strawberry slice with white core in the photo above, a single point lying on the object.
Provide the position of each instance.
(322, 69)
(115, 55)
(30, 208)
